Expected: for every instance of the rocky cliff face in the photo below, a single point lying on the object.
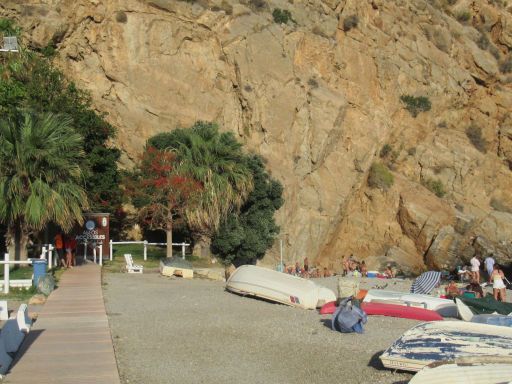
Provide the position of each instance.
(319, 97)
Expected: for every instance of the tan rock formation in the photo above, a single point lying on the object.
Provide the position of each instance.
(318, 101)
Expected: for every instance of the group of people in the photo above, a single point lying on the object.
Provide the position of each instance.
(306, 271)
(494, 274)
(66, 250)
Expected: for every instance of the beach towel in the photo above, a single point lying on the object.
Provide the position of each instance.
(426, 282)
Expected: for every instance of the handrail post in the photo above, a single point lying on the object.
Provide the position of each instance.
(101, 253)
(50, 257)
(6, 274)
(145, 250)
(85, 250)
(111, 251)
(183, 250)
(43, 253)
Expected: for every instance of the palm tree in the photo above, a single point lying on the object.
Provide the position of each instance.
(217, 161)
(40, 176)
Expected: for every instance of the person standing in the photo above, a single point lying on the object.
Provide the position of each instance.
(69, 252)
(489, 266)
(59, 246)
(498, 286)
(475, 269)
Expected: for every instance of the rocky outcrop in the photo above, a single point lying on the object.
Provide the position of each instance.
(318, 100)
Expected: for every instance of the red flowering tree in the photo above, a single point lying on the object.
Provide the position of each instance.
(161, 192)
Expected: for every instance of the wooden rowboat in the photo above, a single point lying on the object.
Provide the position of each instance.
(437, 341)
(279, 287)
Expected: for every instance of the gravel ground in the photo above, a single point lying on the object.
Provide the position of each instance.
(178, 331)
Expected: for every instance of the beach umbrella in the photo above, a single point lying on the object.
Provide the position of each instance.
(426, 282)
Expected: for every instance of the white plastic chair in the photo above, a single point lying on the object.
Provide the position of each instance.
(24, 321)
(4, 314)
(130, 267)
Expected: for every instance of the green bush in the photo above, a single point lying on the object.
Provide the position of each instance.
(415, 105)
(121, 17)
(463, 16)
(474, 134)
(500, 206)
(257, 5)
(350, 22)
(506, 65)
(411, 151)
(435, 186)
(282, 16)
(483, 41)
(386, 150)
(380, 176)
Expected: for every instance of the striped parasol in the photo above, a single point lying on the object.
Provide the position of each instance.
(426, 282)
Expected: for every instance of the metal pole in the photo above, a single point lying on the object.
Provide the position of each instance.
(6, 274)
(85, 251)
(145, 250)
(111, 251)
(101, 253)
(281, 253)
(50, 256)
(43, 253)
(183, 250)
(94, 253)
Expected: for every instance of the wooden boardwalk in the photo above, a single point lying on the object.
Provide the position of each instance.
(70, 343)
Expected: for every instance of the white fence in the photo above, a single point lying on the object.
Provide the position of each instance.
(146, 243)
(14, 283)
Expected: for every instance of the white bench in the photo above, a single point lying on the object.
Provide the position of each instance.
(130, 267)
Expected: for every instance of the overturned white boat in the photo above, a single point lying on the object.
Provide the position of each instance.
(444, 307)
(277, 286)
(438, 341)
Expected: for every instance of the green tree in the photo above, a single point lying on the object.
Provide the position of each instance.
(245, 237)
(215, 160)
(28, 81)
(161, 192)
(40, 176)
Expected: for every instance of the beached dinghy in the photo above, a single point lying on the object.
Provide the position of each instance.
(277, 286)
(466, 314)
(444, 307)
(437, 341)
(467, 370)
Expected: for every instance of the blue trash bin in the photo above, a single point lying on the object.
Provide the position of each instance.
(39, 270)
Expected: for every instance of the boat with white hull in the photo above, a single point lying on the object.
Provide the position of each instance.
(438, 341)
(279, 287)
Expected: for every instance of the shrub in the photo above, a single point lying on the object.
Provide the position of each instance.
(282, 16)
(483, 41)
(411, 151)
(415, 105)
(350, 22)
(380, 176)
(257, 5)
(463, 16)
(435, 186)
(500, 206)
(474, 134)
(506, 65)
(121, 17)
(386, 150)
(312, 82)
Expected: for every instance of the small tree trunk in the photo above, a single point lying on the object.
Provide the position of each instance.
(202, 247)
(168, 232)
(17, 243)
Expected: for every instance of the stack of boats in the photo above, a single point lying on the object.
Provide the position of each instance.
(475, 351)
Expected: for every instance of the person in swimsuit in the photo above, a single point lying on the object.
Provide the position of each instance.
(498, 286)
